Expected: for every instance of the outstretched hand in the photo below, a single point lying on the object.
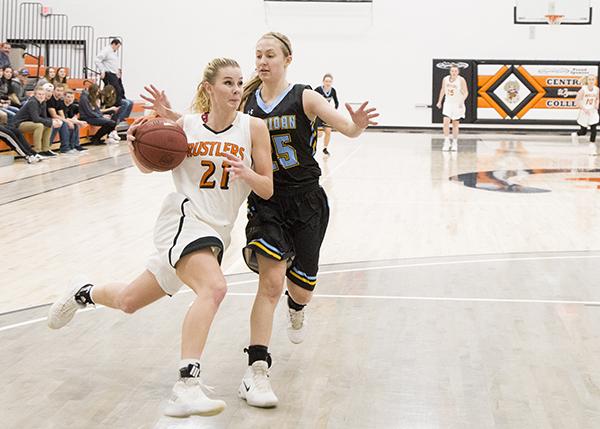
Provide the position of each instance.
(158, 101)
(362, 117)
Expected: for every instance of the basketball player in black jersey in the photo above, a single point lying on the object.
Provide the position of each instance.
(284, 234)
(327, 91)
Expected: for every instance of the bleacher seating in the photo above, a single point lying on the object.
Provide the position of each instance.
(78, 85)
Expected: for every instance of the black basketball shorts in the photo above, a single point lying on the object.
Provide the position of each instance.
(290, 226)
(320, 124)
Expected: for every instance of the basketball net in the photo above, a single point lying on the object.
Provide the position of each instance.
(554, 21)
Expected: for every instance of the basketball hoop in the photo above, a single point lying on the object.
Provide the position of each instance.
(554, 21)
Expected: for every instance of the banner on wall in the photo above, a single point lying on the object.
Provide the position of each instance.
(526, 92)
(441, 69)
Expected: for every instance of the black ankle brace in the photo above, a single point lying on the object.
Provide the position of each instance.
(83, 296)
(256, 353)
(293, 304)
(192, 370)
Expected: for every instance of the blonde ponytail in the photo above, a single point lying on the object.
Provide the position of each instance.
(201, 102)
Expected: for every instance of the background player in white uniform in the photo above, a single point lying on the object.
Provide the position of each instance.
(587, 99)
(454, 89)
(194, 224)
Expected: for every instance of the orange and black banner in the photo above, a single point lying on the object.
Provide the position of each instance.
(525, 92)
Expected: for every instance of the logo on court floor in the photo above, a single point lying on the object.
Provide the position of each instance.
(500, 180)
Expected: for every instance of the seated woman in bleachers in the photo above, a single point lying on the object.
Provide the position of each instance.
(61, 77)
(48, 77)
(89, 111)
(108, 98)
(9, 102)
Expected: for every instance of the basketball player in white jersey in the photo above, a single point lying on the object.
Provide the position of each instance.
(587, 100)
(229, 154)
(454, 89)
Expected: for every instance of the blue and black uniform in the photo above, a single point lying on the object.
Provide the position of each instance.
(331, 95)
(291, 224)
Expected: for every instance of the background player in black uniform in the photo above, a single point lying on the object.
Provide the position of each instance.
(284, 233)
(327, 91)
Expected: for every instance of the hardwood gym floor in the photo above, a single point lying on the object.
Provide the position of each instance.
(457, 290)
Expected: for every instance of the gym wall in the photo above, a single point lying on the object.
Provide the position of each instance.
(381, 52)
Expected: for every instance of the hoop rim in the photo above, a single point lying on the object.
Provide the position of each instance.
(554, 19)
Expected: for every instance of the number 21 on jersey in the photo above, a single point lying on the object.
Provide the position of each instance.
(207, 182)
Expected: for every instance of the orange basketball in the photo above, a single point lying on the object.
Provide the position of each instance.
(160, 144)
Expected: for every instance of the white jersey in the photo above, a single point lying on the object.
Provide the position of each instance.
(588, 100)
(201, 178)
(589, 97)
(454, 93)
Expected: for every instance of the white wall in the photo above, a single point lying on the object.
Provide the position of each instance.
(381, 52)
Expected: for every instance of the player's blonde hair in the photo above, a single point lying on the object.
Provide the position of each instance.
(584, 80)
(201, 102)
(327, 75)
(254, 83)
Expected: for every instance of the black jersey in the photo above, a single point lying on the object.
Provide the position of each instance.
(293, 137)
(331, 95)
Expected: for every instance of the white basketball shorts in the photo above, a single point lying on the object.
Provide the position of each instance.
(587, 119)
(179, 232)
(453, 111)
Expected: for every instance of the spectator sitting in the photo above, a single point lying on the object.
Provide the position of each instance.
(69, 130)
(89, 111)
(4, 51)
(72, 113)
(33, 118)
(15, 139)
(61, 77)
(19, 85)
(107, 62)
(48, 77)
(6, 89)
(108, 98)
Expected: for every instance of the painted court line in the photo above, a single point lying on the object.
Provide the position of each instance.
(403, 298)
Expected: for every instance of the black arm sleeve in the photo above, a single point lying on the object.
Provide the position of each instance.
(335, 99)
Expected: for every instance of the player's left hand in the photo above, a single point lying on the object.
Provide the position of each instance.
(362, 117)
(158, 101)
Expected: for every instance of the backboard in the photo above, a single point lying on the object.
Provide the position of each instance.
(534, 12)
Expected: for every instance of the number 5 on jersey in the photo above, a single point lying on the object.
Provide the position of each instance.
(286, 154)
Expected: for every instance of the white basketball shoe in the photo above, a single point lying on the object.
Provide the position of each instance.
(256, 387)
(446, 144)
(189, 399)
(297, 324)
(574, 139)
(455, 145)
(63, 310)
(592, 149)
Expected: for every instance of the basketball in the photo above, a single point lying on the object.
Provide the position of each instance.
(160, 144)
